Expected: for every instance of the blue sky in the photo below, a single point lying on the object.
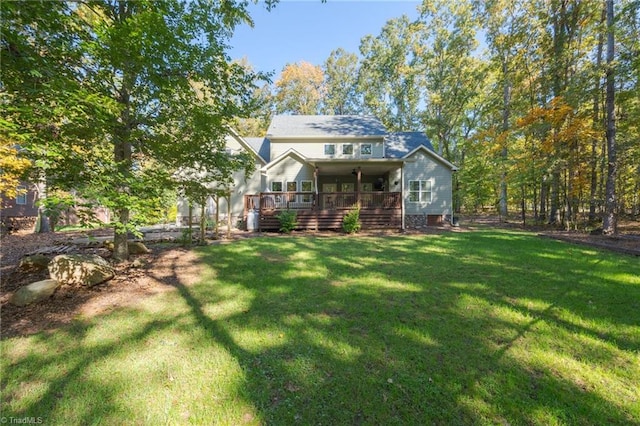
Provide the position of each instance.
(310, 30)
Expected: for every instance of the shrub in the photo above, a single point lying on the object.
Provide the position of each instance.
(288, 221)
(351, 222)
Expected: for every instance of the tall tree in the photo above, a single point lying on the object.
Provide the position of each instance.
(153, 87)
(609, 225)
(300, 89)
(450, 75)
(388, 78)
(341, 79)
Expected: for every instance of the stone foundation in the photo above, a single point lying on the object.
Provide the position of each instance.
(418, 221)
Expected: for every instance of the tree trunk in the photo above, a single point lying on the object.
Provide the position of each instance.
(609, 225)
(122, 157)
(593, 190)
(122, 151)
(502, 205)
(203, 222)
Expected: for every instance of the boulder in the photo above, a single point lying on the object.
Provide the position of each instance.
(34, 263)
(34, 292)
(136, 247)
(82, 269)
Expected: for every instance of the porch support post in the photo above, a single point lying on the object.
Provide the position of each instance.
(228, 214)
(402, 222)
(358, 185)
(315, 185)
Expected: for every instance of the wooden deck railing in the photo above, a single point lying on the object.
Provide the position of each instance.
(322, 201)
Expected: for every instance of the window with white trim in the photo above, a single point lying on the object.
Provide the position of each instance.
(329, 149)
(21, 198)
(419, 191)
(276, 186)
(347, 149)
(306, 186)
(365, 149)
(292, 186)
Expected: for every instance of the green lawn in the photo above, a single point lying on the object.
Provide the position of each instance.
(485, 327)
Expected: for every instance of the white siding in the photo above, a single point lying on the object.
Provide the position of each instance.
(315, 149)
(243, 185)
(288, 170)
(421, 166)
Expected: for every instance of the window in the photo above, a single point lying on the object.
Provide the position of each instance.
(276, 186)
(306, 186)
(330, 149)
(348, 187)
(419, 191)
(21, 198)
(365, 149)
(292, 186)
(347, 149)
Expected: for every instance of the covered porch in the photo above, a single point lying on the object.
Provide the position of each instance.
(339, 186)
(378, 210)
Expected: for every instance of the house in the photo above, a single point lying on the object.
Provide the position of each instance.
(21, 211)
(324, 166)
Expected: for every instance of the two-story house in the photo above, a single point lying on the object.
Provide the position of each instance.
(325, 166)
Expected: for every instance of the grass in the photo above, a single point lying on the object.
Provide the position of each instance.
(486, 327)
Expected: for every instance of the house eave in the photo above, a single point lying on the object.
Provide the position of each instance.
(314, 138)
(434, 155)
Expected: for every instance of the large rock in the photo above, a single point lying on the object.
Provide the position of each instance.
(83, 269)
(34, 263)
(135, 247)
(34, 292)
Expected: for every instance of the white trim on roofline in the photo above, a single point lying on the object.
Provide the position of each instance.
(434, 155)
(314, 138)
(244, 143)
(288, 153)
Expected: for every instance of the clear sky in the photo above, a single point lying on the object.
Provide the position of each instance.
(310, 30)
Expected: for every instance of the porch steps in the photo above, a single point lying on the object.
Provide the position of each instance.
(332, 219)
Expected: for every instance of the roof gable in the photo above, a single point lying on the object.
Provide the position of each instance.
(432, 154)
(290, 153)
(399, 144)
(256, 146)
(325, 126)
(261, 146)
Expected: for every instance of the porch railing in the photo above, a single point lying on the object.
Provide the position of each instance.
(322, 201)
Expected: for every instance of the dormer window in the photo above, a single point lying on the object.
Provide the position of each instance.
(365, 149)
(347, 149)
(330, 149)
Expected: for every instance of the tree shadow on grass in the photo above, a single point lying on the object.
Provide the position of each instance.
(51, 383)
(396, 330)
(338, 351)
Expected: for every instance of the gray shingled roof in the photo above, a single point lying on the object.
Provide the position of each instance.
(399, 144)
(325, 125)
(261, 146)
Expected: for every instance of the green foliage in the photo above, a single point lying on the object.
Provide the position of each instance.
(288, 220)
(351, 222)
(55, 204)
(115, 97)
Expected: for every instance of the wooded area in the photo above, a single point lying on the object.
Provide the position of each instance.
(518, 94)
(537, 102)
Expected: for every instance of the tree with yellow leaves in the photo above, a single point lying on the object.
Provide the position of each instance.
(12, 166)
(300, 89)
